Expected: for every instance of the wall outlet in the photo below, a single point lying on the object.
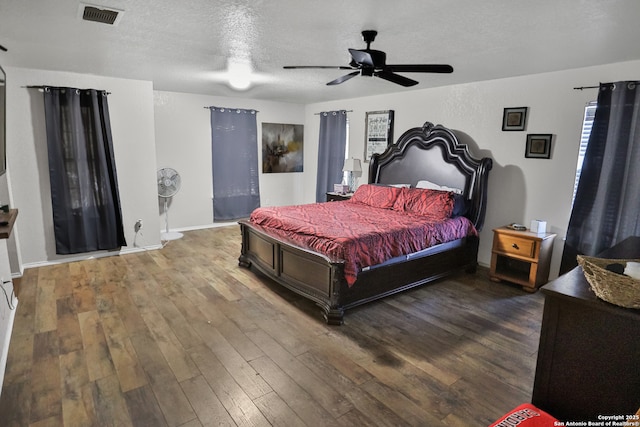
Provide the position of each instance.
(138, 226)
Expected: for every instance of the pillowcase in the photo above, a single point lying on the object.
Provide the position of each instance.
(433, 203)
(433, 186)
(377, 196)
(460, 205)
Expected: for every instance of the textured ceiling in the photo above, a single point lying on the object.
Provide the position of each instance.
(185, 45)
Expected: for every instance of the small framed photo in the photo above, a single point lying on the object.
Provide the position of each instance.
(378, 132)
(538, 146)
(514, 118)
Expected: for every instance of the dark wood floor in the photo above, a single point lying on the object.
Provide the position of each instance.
(184, 337)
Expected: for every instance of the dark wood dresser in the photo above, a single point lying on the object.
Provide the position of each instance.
(589, 355)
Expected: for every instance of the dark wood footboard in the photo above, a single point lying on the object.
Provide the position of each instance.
(308, 273)
(316, 277)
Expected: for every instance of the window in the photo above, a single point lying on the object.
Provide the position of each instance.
(587, 124)
(345, 174)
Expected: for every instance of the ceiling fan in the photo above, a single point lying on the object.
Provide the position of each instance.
(370, 62)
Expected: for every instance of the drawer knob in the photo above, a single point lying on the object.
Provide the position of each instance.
(515, 246)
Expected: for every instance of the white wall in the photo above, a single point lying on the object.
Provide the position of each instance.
(131, 112)
(183, 142)
(520, 189)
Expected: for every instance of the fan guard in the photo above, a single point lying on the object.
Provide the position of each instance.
(169, 182)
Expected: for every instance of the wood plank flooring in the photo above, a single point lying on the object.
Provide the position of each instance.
(184, 337)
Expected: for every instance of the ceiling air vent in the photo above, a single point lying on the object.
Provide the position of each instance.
(93, 13)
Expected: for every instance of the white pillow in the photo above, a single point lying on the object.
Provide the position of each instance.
(433, 186)
(400, 185)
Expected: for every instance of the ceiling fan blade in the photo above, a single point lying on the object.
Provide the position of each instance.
(333, 67)
(361, 57)
(420, 68)
(343, 78)
(396, 78)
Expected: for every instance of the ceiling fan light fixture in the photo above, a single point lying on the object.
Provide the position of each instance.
(239, 73)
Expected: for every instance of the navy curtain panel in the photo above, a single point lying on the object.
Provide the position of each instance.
(607, 204)
(331, 151)
(234, 150)
(87, 215)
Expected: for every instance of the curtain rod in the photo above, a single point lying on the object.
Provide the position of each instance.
(211, 106)
(596, 87)
(346, 111)
(44, 87)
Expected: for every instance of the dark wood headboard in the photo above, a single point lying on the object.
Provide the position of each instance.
(433, 153)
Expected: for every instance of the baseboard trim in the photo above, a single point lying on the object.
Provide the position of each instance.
(202, 227)
(122, 251)
(85, 257)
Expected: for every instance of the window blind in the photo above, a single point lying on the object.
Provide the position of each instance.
(587, 124)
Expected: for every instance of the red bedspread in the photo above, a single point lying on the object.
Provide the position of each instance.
(358, 234)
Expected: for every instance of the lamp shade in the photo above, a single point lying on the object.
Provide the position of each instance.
(352, 165)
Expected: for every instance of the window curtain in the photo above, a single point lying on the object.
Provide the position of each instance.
(331, 147)
(87, 215)
(234, 149)
(607, 203)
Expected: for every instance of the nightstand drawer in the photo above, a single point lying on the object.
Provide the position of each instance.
(515, 245)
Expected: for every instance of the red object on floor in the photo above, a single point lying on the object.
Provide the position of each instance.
(525, 415)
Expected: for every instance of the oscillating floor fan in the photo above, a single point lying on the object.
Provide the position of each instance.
(168, 186)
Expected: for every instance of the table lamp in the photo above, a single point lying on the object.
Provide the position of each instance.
(353, 169)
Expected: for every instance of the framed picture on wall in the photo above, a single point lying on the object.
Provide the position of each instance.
(378, 132)
(538, 146)
(282, 147)
(514, 118)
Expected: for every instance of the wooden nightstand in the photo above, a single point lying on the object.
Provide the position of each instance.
(521, 257)
(335, 197)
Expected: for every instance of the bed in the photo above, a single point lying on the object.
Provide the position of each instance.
(431, 153)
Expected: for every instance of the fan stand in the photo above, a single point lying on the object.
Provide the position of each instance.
(168, 235)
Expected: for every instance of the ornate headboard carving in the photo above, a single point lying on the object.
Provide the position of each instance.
(434, 153)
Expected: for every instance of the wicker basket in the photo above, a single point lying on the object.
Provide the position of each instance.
(615, 288)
